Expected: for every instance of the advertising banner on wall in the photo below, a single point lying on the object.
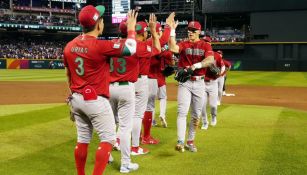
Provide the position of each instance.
(2, 64)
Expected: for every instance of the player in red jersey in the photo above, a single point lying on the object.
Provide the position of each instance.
(124, 73)
(211, 92)
(152, 92)
(222, 79)
(86, 59)
(167, 60)
(141, 86)
(195, 55)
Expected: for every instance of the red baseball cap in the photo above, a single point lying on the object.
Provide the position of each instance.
(123, 27)
(194, 25)
(207, 38)
(89, 15)
(158, 27)
(141, 27)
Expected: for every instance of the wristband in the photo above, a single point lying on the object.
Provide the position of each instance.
(166, 26)
(173, 33)
(198, 65)
(131, 34)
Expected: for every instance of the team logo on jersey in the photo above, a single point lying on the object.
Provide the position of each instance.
(198, 52)
(148, 48)
(116, 46)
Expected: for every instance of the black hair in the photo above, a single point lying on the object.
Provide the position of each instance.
(89, 29)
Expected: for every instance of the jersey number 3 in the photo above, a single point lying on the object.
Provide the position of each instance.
(122, 65)
(80, 69)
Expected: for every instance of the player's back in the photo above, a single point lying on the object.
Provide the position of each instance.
(87, 64)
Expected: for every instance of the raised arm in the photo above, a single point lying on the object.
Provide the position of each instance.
(155, 37)
(130, 43)
(173, 47)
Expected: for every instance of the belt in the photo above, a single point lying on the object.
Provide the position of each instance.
(140, 76)
(195, 78)
(121, 83)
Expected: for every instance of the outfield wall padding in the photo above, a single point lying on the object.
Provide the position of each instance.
(30, 64)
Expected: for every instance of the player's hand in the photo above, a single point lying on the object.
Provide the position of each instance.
(152, 23)
(170, 19)
(131, 20)
(174, 24)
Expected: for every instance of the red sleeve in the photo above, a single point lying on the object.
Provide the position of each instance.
(227, 63)
(111, 48)
(167, 56)
(181, 45)
(208, 50)
(144, 50)
(164, 38)
(218, 59)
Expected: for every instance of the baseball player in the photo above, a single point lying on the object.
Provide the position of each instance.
(211, 91)
(124, 73)
(228, 67)
(195, 55)
(141, 86)
(155, 64)
(87, 64)
(222, 78)
(167, 59)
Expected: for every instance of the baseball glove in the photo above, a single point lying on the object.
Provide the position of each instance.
(182, 75)
(214, 69)
(169, 70)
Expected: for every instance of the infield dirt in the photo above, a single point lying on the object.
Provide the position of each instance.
(56, 92)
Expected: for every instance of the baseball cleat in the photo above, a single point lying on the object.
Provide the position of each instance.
(135, 151)
(180, 146)
(214, 121)
(127, 168)
(163, 122)
(116, 147)
(149, 140)
(191, 147)
(204, 126)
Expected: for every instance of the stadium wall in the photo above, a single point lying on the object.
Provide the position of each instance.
(280, 26)
(30, 64)
(269, 56)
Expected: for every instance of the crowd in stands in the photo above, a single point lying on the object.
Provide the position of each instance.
(4, 5)
(38, 20)
(31, 50)
(226, 35)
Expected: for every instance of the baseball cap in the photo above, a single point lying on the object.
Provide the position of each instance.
(207, 38)
(123, 27)
(89, 15)
(141, 27)
(158, 27)
(194, 25)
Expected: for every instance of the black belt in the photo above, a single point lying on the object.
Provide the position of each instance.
(121, 83)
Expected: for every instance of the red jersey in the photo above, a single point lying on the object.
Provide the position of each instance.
(166, 59)
(227, 66)
(219, 63)
(87, 60)
(145, 62)
(191, 53)
(127, 68)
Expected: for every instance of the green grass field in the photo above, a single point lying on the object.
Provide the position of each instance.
(38, 139)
